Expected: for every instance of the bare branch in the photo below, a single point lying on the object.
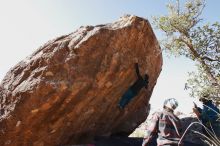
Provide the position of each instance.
(210, 59)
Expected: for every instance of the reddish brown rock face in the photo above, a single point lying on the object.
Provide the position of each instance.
(68, 90)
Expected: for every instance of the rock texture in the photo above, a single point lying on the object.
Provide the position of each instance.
(68, 90)
(191, 135)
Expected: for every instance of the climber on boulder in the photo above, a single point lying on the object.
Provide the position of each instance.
(134, 89)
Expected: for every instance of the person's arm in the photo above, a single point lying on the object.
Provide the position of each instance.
(151, 130)
(137, 70)
(197, 112)
(180, 131)
(199, 109)
(146, 80)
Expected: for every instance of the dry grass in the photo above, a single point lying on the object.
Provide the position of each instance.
(210, 138)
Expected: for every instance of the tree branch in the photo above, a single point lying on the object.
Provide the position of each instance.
(210, 59)
(199, 58)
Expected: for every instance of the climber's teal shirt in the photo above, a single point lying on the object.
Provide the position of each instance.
(134, 89)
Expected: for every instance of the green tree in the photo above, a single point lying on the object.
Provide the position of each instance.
(186, 35)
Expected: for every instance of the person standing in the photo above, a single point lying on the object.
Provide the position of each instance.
(209, 116)
(165, 127)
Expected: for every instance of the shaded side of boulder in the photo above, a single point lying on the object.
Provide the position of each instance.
(68, 90)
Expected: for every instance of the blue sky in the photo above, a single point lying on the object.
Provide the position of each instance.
(28, 24)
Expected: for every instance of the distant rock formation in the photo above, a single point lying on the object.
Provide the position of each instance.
(68, 90)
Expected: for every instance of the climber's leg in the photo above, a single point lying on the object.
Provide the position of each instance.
(125, 99)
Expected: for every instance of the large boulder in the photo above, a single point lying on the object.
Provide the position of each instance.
(68, 90)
